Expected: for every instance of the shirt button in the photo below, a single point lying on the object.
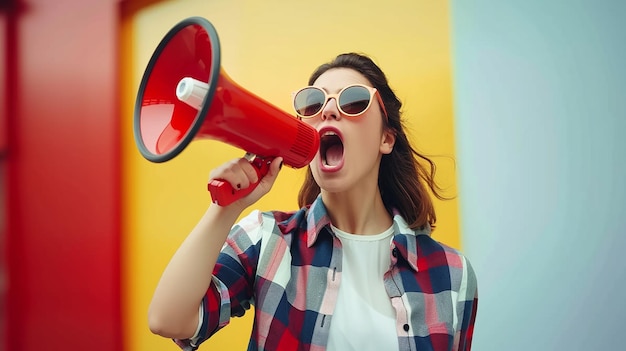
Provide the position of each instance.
(405, 327)
(394, 252)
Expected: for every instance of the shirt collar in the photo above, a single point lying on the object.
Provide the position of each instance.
(403, 240)
(317, 218)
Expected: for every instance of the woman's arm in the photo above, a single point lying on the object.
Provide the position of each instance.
(173, 311)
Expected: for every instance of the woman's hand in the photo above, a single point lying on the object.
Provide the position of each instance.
(242, 175)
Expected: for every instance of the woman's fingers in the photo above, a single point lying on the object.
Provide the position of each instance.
(241, 174)
(238, 172)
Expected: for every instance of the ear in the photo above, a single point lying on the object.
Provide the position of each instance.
(387, 142)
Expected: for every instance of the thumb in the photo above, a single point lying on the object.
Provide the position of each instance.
(269, 179)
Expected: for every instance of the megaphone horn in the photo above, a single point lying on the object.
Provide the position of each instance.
(185, 95)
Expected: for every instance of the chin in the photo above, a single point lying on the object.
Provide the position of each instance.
(331, 184)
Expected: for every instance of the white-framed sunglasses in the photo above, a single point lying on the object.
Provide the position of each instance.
(352, 100)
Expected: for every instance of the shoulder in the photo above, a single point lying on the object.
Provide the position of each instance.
(277, 222)
(431, 249)
(432, 253)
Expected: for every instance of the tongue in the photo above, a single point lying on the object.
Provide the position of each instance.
(334, 155)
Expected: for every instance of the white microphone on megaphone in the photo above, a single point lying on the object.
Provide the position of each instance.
(192, 92)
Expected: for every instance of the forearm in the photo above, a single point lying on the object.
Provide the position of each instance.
(173, 311)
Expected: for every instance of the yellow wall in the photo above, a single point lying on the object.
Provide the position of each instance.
(270, 47)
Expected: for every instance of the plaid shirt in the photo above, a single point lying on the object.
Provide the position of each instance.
(289, 266)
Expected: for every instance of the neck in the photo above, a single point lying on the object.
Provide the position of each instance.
(358, 212)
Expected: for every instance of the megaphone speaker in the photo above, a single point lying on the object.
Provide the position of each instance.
(185, 95)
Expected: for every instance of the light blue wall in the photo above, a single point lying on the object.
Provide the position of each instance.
(540, 113)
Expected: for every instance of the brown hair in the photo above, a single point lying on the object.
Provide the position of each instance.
(404, 173)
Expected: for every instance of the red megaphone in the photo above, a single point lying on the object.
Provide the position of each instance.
(185, 95)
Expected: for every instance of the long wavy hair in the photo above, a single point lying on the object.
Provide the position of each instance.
(405, 175)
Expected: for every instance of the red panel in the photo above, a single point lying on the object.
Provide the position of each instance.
(4, 56)
(4, 111)
(63, 173)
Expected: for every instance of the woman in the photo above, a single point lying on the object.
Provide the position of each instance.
(355, 268)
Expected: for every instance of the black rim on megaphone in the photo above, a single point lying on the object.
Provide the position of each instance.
(213, 78)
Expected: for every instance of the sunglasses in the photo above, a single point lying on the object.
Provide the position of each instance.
(352, 100)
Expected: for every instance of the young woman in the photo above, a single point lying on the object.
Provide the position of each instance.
(355, 268)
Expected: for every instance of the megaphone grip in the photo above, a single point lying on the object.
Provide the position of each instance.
(223, 194)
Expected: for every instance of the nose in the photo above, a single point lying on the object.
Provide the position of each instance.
(330, 110)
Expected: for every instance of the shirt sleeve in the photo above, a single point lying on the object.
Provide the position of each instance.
(468, 301)
(212, 316)
(232, 287)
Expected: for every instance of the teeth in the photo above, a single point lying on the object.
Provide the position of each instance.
(329, 133)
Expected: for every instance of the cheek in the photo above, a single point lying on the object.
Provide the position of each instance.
(371, 133)
(365, 142)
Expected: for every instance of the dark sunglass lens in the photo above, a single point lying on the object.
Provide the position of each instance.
(309, 101)
(354, 100)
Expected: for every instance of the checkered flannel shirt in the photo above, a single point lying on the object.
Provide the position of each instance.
(288, 265)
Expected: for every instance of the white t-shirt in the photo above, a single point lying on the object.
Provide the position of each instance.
(363, 318)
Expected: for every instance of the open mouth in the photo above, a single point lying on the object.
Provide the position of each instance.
(331, 149)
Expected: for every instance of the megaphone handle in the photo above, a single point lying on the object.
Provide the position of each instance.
(224, 194)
